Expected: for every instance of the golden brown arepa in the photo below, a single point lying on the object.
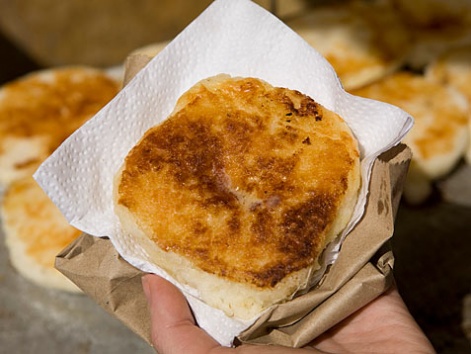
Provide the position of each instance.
(238, 192)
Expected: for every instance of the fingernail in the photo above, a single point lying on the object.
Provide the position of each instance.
(146, 288)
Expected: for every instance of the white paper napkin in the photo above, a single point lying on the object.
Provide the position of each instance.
(235, 37)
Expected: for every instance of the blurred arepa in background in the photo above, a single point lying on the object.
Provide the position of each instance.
(35, 232)
(439, 138)
(454, 68)
(363, 41)
(38, 111)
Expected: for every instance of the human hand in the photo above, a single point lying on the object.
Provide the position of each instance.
(383, 326)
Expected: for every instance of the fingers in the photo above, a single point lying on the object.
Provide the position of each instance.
(173, 326)
(174, 330)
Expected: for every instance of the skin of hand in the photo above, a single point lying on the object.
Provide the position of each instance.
(383, 326)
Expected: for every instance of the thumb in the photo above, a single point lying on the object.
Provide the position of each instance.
(173, 327)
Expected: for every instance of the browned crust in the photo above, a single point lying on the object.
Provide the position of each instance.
(245, 180)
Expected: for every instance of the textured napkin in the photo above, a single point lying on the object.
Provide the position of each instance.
(235, 37)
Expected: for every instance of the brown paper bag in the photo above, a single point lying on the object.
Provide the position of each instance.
(362, 271)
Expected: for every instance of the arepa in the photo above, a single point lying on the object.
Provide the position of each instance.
(238, 192)
(35, 232)
(440, 135)
(40, 110)
(454, 68)
(363, 41)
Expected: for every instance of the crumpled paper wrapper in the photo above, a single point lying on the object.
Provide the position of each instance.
(235, 37)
